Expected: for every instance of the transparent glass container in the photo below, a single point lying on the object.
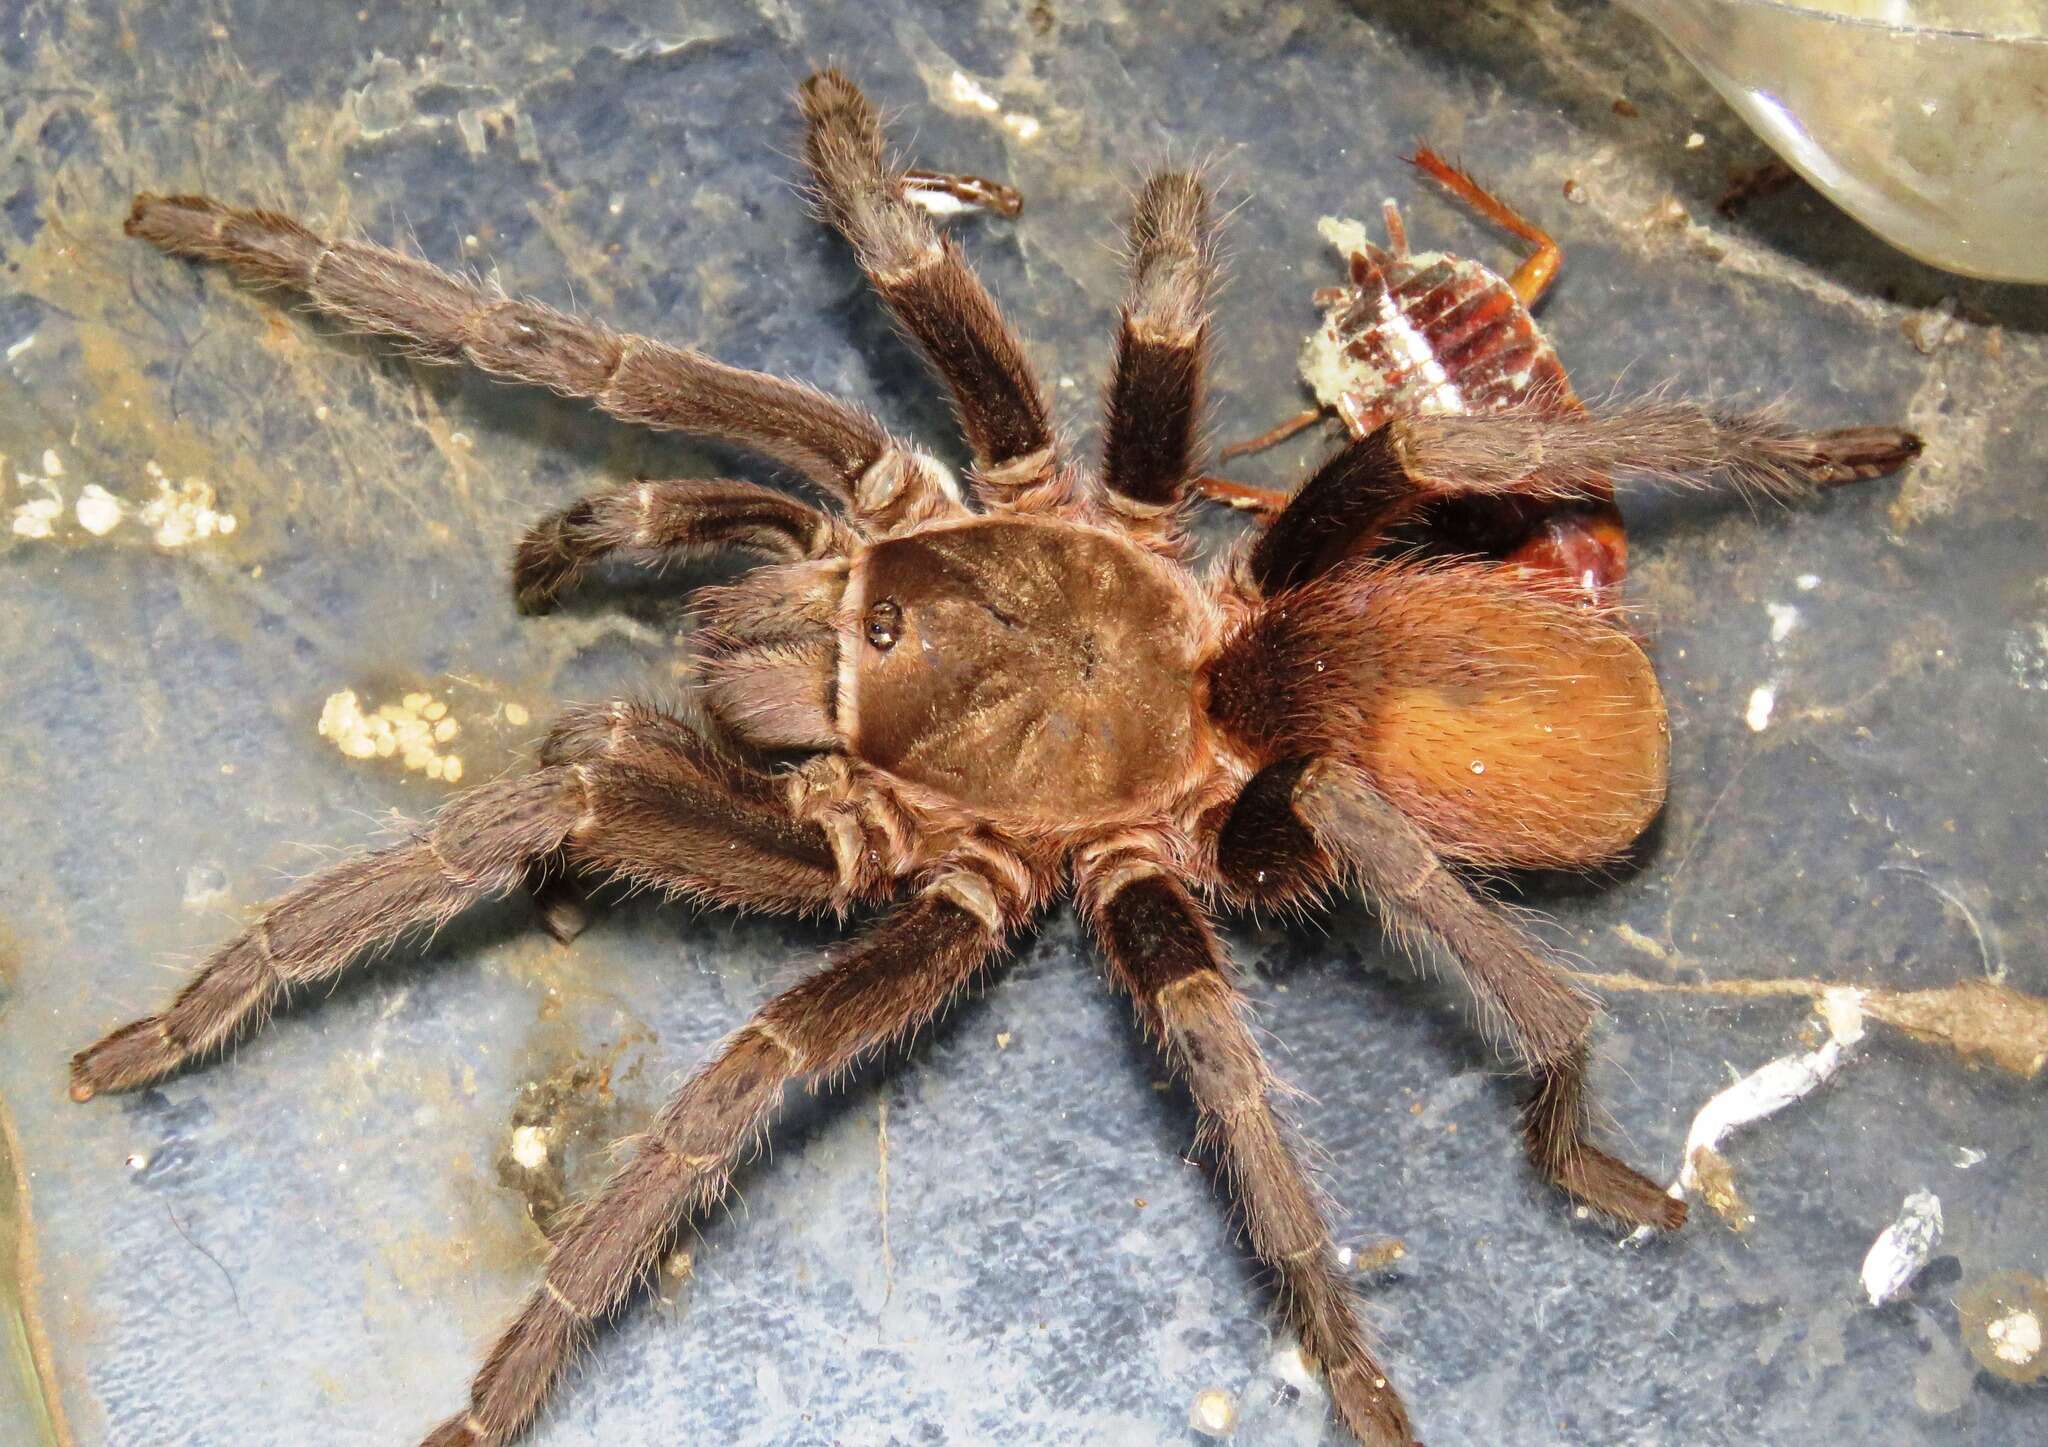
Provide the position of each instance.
(1926, 120)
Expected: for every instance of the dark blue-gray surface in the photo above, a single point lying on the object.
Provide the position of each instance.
(311, 1240)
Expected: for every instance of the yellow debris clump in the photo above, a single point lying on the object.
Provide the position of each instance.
(413, 731)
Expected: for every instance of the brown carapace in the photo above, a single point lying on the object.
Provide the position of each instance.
(972, 698)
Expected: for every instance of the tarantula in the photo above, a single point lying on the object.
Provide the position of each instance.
(986, 696)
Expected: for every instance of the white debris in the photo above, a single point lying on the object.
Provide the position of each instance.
(966, 90)
(412, 730)
(1762, 699)
(1807, 582)
(53, 465)
(1213, 1413)
(1767, 1090)
(1290, 1367)
(1968, 1156)
(21, 346)
(98, 511)
(37, 518)
(183, 513)
(1784, 618)
(1694, 141)
(530, 1147)
(1902, 1248)
(2015, 1337)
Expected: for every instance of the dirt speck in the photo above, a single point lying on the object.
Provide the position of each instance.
(2005, 1319)
(561, 1126)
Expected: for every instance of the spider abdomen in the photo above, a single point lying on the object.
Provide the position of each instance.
(1514, 725)
(1031, 668)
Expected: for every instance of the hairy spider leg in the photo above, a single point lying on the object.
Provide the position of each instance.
(1152, 409)
(870, 993)
(1161, 951)
(442, 317)
(1350, 504)
(928, 285)
(664, 520)
(624, 790)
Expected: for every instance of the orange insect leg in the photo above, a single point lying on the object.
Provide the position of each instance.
(1533, 277)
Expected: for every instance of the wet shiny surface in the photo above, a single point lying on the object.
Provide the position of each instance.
(995, 1238)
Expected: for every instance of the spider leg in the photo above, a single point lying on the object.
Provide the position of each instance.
(1160, 950)
(442, 317)
(667, 519)
(1347, 506)
(927, 283)
(648, 801)
(1339, 815)
(1344, 509)
(874, 991)
(1155, 392)
(1535, 452)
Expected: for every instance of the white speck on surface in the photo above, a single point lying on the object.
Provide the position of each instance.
(1767, 1090)
(1967, 1156)
(1807, 582)
(530, 1146)
(21, 346)
(37, 518)
(183, 513)
(966, 90)
(1290, 1367)
(1694, 141)
(1023, 127)
(53, 465)
(139, 1160)
(98, 511)
(1902, 1248)
(516, 715)
(1784, 618)
(320, 413)
(1213, 1413)
(1762, 699)
(2015, 1337)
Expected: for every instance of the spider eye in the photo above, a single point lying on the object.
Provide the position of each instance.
(884, 624)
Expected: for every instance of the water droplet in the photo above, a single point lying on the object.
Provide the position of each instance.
(1319, 665)
(1478, 767)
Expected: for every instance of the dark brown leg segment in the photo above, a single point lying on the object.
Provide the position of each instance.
(446, 318)
(1342, 511)
(655, 809)
(667, 519)
(1544, 1019)
(1160, 949)
(928, 284)
(873, 992)
(1155, 392)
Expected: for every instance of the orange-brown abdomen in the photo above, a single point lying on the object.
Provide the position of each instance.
(1516, 726)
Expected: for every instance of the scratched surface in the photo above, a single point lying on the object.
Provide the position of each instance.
(995, 1238)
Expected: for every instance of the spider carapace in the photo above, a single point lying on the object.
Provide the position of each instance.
(973, 699)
